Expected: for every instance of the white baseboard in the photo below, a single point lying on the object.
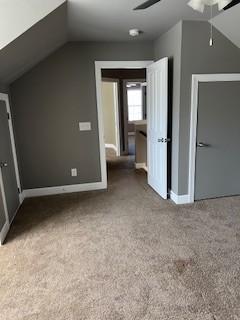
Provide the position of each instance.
(4, 232)
(141, 166)
(30, 193)
(111, 146)
(182, 199)
(21, 197)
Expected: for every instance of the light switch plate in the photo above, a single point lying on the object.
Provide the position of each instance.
(74, 172)
(85, 126)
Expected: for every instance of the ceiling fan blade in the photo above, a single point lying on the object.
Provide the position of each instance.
(146, 4)
(232, 4)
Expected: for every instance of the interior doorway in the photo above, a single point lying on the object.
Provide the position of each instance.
(124, 116)
(153, 130)
(134, 99)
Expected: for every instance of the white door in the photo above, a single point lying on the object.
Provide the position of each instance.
(157, 115)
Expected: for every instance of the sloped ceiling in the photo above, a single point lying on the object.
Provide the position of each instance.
(17, 16)
(91, 20)
(34, 45)
(228, 23)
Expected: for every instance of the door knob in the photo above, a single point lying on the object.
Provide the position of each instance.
(166, 140)
(3, 164)
(202, 145)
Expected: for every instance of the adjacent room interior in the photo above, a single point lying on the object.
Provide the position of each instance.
(124, 99)
(119, 179)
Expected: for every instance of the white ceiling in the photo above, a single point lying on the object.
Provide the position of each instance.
(228, 24)
(110, 20)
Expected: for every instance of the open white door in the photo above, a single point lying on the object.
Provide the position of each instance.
(157, 115)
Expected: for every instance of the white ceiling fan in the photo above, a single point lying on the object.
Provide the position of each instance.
(199, 5)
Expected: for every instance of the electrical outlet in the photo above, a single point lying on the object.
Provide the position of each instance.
(74, 172)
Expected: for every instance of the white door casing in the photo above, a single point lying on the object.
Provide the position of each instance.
(4, 97)
(99, 65)
(157, 119)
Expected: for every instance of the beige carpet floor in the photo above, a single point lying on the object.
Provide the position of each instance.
(122, 254)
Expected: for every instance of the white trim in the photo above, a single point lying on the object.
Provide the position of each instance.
(63, 189)
(141, 166)
(4, 233)
(99, 65)
(182, 199)
(112, 146)
(123, 64)
(6, 226)
(116, 115)
(196, 78)
(4, 97)
(5, 229)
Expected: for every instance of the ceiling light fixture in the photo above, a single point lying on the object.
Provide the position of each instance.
(199, 5)
(134, 32)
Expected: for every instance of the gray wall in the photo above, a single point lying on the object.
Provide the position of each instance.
(50, 100)
(169, 45)
(3, 88)
(198, 57)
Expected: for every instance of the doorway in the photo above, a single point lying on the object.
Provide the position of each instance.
(156, 131)
(134, 100)
(123, 108)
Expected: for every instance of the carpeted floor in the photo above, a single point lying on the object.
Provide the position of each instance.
(122, 254)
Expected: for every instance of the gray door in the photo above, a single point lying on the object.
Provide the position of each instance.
(218, 157)
(7, 167)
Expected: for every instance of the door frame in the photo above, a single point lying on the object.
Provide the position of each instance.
(196, 79)
(5, 228)
(116, 89)
(4, 97)
(99, 65)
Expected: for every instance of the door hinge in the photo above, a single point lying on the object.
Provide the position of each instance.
(19, 191)
(8, 115)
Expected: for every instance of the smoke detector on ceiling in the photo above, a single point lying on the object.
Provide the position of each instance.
(134, 32)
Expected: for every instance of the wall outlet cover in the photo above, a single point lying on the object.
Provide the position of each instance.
(85, 126)
(74, 172)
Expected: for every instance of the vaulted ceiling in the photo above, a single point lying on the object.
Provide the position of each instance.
(31, 30)
(228, 23)
(110, 20)
(32, 46)
(17, 16)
